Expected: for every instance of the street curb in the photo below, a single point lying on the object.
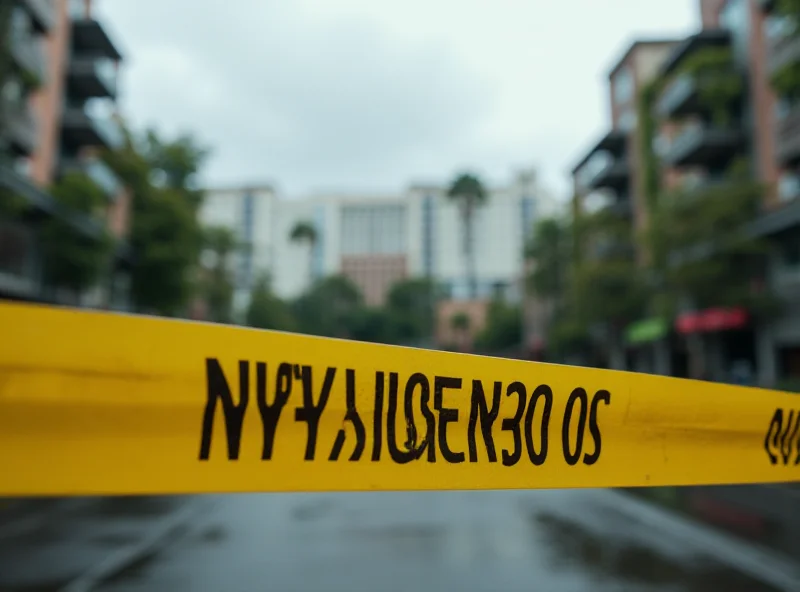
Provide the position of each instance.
(127, 556)
(755, 560)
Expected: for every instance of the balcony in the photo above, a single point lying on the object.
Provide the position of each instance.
(704, 145)
(98, 172)
(43, 203)
(80, 130)
(707, 39)
(21, 128)
(605, 164)
(614, 174)
(621, 208)
(90, 38)
(27, 53)
(783, 51)
(20, 260)
(92, 78)
(42, 13)
(682, 96)
(787, 138)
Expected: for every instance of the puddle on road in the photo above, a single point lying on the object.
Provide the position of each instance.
(619, 560)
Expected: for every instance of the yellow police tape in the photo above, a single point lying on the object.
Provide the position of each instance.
(103, 403)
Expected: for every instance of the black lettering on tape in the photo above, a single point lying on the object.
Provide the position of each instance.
(270, 414)
(377, 417)
(429, 442)
(217, 389)
(538, 458)
(354, 418)
(309, 412)
(446, 415)
(788, 436)
(571, 457)
(511, 424)
(480, 412)
(408, 454)
(773, 433)
(594, 427)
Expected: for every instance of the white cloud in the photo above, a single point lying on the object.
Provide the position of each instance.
(358, 94)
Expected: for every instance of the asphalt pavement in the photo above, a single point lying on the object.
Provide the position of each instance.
(467, 541)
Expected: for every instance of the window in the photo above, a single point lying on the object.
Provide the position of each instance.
(623, 86)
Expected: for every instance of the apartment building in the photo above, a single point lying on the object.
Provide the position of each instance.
(378, 240)
(58, 109)
(609, 175)
(696, 145)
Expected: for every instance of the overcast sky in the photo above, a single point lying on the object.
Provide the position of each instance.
(371, 95)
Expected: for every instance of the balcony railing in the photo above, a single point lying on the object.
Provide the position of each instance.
(42, 14)
(676, 94)
(788, 137)
(701, 144)
(614, 175)
(27, 52)
(20, 260)
(98, 172)
(83, 129)
(784, 50)
(93, 77)
(20, 124)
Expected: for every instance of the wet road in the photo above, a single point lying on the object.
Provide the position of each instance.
(472, 541)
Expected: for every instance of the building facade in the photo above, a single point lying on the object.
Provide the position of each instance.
(747, 44)
(378, 240)
(58, 108)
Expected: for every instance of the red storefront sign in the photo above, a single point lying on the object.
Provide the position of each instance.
(712, 319)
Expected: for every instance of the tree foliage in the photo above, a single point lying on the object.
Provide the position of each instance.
(266, 310)
(72, 259)
(216, 284)
(720, 85)
(164, 232)
(411, 310)
(710, 260)
(503, 328)
(329, 308)
(549, 252)
(303, 232)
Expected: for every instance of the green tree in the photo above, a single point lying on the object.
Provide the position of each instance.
(74, 260)
(329, 308)
(468, 193)
(410, 307)
(710, 260)
(549, 252)
(266, 310)
(217, 282)
(164, 234)
(304, 232)
(503, 327)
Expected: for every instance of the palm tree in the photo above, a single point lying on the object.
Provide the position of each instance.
(305, 232)
(468, 193)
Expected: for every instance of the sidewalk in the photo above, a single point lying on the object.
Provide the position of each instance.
(46, 544)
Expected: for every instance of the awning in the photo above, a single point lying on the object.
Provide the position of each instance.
(646, 331)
